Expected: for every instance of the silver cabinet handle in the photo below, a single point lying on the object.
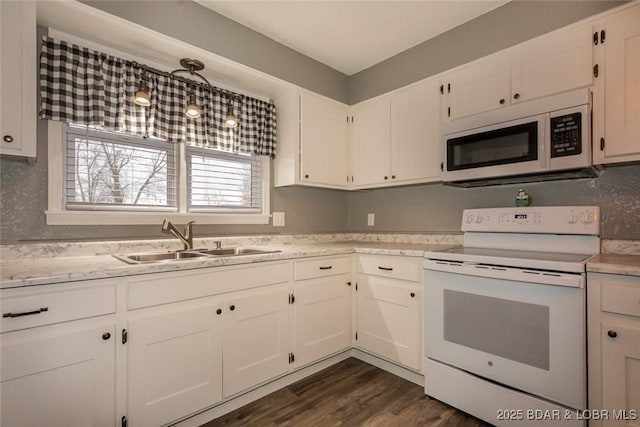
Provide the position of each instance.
(26, 313)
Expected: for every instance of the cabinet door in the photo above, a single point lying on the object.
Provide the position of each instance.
(371, 142)
(621, 372)
(551, 64)
(388, 319)
(622, 85)
(175, 364)
(416, 138)
(62, 380)
(18, 80)
(480, 86)
(323, 141)
(322, 317)
(257, 337)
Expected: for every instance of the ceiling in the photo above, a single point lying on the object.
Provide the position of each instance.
(348, 35)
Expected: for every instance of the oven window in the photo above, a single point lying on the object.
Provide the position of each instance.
(512, 144)
(514, 330)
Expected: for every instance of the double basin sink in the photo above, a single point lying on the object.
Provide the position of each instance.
(155, 257)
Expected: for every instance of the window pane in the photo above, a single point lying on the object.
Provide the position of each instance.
(222, 180)
(107, 169)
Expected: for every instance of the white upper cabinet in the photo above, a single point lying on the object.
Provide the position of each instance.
(616, 123)
(323, 141)
(370, 136)
(416, 148)
(312, 141)
(396, 139)
(18, 81)
(480, 86)
(553, 63)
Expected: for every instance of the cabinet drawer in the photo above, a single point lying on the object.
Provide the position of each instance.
(165, 288)
(45, 308)
(621, 298)
(321, 267)
(391, 266)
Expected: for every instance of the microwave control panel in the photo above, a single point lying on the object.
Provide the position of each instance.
(566, 135)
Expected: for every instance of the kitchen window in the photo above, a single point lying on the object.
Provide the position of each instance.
(114, 162)
(101, 177)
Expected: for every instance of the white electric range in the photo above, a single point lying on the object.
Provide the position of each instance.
(505, 315)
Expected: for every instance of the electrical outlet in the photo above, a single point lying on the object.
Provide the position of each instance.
(278, 219)
(371, 219)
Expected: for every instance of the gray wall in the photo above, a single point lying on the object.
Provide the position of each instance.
(437, 208)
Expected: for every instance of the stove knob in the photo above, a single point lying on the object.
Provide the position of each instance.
(479, 219)
(469, 219)
(571, 219)
(586, 218)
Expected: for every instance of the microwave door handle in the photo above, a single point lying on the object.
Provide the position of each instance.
(544, 142)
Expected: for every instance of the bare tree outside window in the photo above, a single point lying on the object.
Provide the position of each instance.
(116, 173)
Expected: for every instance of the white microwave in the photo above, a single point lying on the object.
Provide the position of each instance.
(547, 138)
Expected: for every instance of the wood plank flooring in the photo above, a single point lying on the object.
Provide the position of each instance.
(350, 393)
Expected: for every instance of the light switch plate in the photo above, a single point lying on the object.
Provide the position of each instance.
(278, 219)
(371, 219)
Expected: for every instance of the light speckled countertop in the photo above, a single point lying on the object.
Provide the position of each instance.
(628, 265)
(48, 263)
(39, 271)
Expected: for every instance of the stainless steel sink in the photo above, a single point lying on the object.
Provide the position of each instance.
(234, 251)
(157, 257)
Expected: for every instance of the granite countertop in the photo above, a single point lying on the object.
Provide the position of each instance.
(615, 264)
(41, 271)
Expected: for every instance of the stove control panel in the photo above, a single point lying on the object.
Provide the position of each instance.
(544, 219)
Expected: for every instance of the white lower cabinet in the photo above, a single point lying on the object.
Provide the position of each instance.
(58, 377)
(614, 348)
(57, 355)
(174, 363)
(322, 308)
(257, 337)
(389, 308)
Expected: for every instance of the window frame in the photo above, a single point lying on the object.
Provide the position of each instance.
(57, 214)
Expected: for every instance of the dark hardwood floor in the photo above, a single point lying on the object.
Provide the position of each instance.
(350, 393)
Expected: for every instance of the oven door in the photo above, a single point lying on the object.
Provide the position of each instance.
(510, 148)
(525, 335)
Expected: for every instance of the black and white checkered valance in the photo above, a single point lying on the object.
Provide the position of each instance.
(88, 87)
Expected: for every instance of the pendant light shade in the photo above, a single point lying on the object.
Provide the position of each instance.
(142, 94)
(230, 121)
(193, 111)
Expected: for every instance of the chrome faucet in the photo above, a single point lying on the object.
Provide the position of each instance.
(185, 237)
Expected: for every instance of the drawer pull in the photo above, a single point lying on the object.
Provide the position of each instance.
(385, 268)
(328, 267)
(26, 313)
(612, 334)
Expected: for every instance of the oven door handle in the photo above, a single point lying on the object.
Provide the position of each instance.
(552, 278)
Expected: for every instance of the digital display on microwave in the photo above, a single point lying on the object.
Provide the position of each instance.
(520, 216)
(566, 135)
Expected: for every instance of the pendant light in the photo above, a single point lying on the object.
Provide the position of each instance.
(230, 121)
(142, 94)
(193, 111)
